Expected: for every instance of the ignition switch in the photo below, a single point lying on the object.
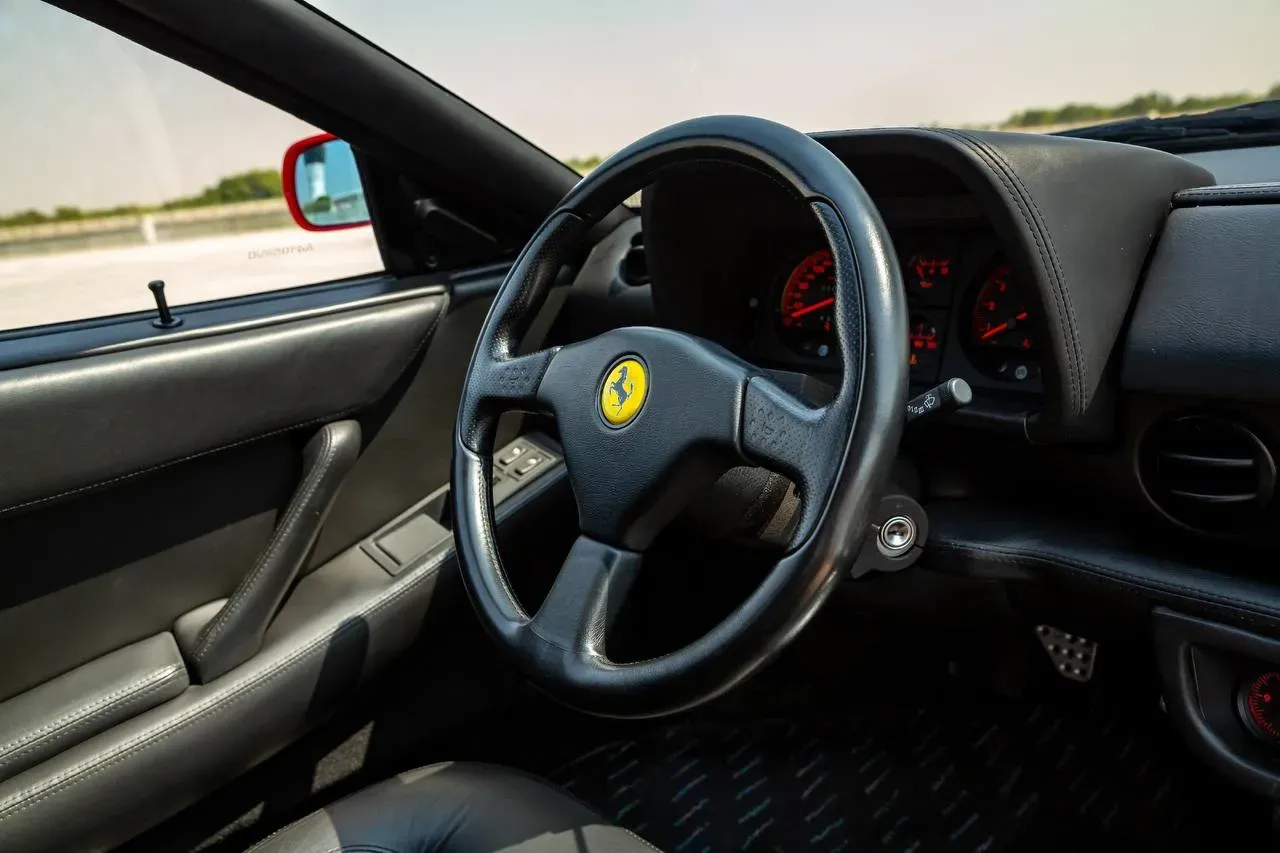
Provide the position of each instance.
(897, 536)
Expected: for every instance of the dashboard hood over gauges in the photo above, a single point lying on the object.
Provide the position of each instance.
(1076, 219)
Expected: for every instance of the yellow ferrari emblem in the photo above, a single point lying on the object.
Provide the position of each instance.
(622, 395)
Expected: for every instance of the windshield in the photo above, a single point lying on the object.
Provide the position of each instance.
(583, 79)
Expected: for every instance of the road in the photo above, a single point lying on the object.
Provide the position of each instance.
(99, 282)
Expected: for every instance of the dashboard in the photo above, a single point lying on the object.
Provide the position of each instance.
(1120, 451)
(1020, 258)
(969, 316)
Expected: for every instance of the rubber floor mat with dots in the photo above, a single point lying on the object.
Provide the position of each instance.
(985, 779)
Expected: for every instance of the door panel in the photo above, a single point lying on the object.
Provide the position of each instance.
(342, 622)
(40, 723)
(408, 435)
(74, 425)
(93, 573)
(144, 484)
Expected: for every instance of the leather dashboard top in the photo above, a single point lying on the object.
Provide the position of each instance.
(1078, 218)
(1206, 321)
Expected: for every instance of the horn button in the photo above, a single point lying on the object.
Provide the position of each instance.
(646, 416)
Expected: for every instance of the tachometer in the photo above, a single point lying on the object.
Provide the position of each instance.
(806, 307)
(1000, 314)
(1001, 342)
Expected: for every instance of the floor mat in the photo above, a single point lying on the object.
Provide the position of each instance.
(993, 778)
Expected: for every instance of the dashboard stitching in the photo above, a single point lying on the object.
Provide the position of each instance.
(1060, 291)
(1044, 245)
(1058, 271)
(1245, 610)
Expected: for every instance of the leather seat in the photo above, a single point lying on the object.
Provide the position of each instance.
(456, 808)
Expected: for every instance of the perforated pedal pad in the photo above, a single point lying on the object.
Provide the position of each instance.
(1072, 655)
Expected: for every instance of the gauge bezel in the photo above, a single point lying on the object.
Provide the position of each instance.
(1246, 715)
(796, 339)
(987, 359)
(975, 251)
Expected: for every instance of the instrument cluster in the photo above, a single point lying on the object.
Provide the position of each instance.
(969, 316)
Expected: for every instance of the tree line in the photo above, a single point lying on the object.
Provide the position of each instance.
(1148, 103)
(582, 165)
(245, 186)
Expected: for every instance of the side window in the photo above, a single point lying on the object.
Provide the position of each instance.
(119, 166)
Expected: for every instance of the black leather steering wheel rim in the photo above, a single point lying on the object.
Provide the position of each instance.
(705, 411)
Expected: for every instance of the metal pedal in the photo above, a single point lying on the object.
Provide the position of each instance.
(1073, 656)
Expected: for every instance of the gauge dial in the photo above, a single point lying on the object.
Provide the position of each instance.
(1260, 706)
(1000, 314)
(924, 335)
(806, 311)
(1001, 342)
(928, 278)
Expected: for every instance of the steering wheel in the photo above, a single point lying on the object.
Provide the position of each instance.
(647, 415)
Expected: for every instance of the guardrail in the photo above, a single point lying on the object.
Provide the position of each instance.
(145, 228)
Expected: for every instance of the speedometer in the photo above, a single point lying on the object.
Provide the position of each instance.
(1001, 342)
(806, 306)
(1000, 314)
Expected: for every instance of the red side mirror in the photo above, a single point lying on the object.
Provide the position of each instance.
(322, 184)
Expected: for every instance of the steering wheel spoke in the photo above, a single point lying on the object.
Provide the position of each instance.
(499, 385)
(514, 383)
(585, 599)
(785, 435)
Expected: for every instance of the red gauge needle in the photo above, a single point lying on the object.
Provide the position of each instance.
(817, 306)
(993, 331)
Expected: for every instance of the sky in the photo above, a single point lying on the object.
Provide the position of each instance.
(91, 120)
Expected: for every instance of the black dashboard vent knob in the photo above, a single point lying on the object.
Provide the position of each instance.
(1207, 472)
